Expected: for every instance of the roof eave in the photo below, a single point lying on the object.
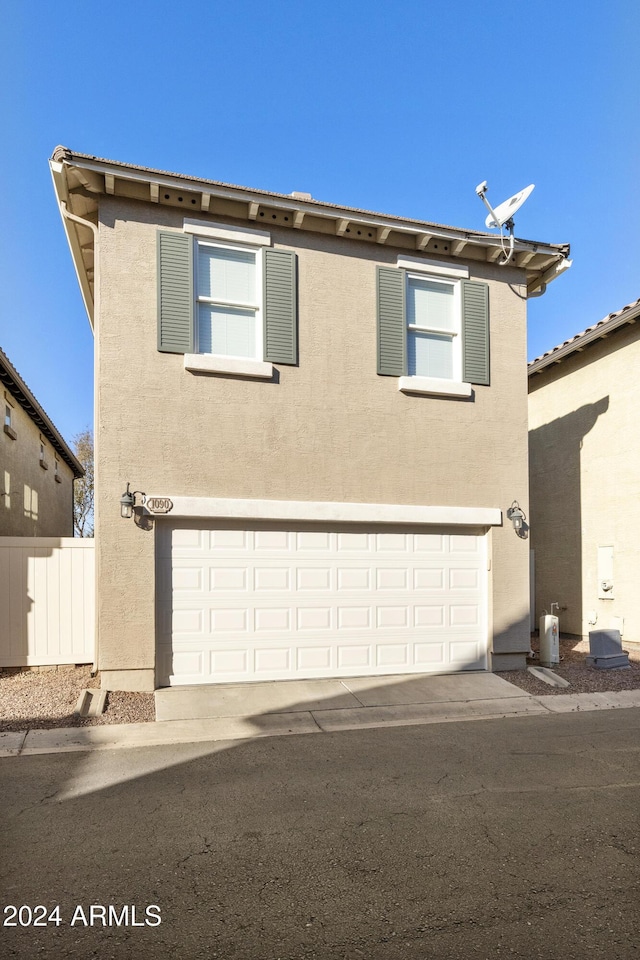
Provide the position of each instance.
(58, 175)
(599, 332)
(541, 262)
(16, 386)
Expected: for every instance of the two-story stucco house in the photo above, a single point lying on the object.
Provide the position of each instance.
(37, 467)
(585, 472)
(322, 416)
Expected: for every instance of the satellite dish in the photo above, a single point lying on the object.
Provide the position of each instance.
(503, 214)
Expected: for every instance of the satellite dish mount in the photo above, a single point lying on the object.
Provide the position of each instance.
(503, 214)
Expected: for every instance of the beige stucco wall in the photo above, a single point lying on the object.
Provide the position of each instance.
(329, 429)
(585, 464)
(33, 504)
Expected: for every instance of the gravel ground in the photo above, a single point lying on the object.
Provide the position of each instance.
(582, 678)
(32, 699)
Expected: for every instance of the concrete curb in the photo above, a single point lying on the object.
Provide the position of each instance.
(127, 735)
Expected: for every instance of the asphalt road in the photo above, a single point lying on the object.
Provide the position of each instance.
(502, 838)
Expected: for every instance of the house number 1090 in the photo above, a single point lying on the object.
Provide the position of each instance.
(159, 504)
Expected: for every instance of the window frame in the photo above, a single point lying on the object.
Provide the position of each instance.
(258, 307)
(455, 334)
(435, 270)
(8, 419)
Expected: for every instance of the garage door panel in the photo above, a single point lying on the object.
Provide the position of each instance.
(355, 542)
(190, 540)
(393, 542)
(391, 616)
(277, 540)
(465, 653)
(429, 616)
(268, 579)
(314, 578)
(355, 617)
(316, 541)
(392, 578)
(464, 615)
(268, 619)
(464, 578)
(275, 661)
(429, 655)
(313, 618)
(227, 578)
(227, 620)
(394, 655)
(428, 578)
(355, 657)
(465, 545)
(189, 663)
(249, 602)
(237, 541)
(229, 663)
(188, 622)
(186, 580)
(432, 543)
(315, 657)
(356, 578)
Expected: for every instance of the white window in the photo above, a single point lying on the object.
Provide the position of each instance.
(229, 300)
(8, 425)
(433, 328)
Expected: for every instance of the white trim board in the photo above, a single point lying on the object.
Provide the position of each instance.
(223, 231)
(434, 386)
(238, 366)
(312, 510)
(434, 267)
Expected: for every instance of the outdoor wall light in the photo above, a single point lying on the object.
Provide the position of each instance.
(128, 502)
(517, 517)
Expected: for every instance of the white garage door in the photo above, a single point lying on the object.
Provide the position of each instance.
(261, 601)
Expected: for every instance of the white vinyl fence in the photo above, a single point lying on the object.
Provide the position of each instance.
(47, 601)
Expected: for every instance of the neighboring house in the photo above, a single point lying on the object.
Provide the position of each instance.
(323, 414)
(37, 468)
(585, 474)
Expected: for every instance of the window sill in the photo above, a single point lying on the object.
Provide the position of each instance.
(10, 432)
(236, 366)
(57, 478)
(44, 464)
(434, 387)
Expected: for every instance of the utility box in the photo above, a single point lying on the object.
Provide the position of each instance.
(605, 650)
(605, 573)
(549, 641)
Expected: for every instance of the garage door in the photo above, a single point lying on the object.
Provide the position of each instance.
(261, 601)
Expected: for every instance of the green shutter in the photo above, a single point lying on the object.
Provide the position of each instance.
(475, 332)
(280, 307)
(392, 338)
(175, 293)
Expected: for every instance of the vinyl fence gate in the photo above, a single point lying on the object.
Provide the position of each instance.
(47, 601)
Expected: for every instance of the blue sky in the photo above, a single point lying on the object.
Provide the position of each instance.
(401, 109)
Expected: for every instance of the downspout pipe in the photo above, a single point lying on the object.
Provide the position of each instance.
(76, 219)
(66, 213)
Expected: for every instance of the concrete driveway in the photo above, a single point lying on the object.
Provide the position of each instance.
(295, 696)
